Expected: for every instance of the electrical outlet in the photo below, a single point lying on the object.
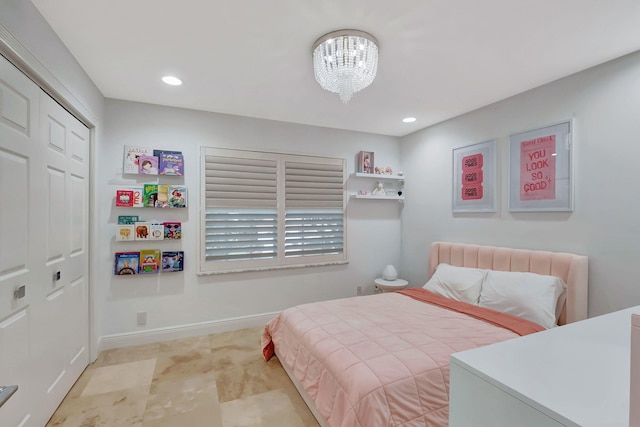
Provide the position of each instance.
(359, 290)
(142, 318)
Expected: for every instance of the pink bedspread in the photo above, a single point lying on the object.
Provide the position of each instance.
(379, 360)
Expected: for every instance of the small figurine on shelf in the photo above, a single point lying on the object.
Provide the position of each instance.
(378, 171)
(379, 190)
(388, 171)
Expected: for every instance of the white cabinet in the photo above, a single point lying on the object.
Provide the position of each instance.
(366, 182)
(574, 375)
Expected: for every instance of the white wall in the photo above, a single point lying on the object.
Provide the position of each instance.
(374, 230)
(604, 103)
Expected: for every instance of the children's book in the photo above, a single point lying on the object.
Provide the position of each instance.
(124, 198)
(177, 196)
(149, 261)
(125, 232)
(150, 195)
(172, 230)
(148, 165)
(172, 261)
(126, 263)
(156, 231)
(142, 229)
(128, 219)
(131, 157)
(163, 196)
(138, 192)
(170, 163)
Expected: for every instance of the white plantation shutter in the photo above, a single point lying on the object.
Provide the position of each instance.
(314, 214)
(270, 210)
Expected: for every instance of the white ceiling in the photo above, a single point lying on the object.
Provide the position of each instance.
(438, 58)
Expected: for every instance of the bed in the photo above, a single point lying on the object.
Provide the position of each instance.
(383, 359)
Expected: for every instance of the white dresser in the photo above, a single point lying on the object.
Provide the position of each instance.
(574, 375)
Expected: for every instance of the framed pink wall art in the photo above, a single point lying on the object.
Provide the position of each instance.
(474, 178)
(540, 169)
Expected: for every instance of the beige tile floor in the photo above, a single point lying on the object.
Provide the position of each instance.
(216, 380)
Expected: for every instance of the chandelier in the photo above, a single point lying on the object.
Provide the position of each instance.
(345, 61)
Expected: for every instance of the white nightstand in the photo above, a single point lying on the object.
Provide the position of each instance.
(390, 285)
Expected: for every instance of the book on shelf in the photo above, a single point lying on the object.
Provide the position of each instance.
(148, 165)
(150, 195)
(125, 232)
(172, 230)
(124, 198)
(149, 261)
(162, 200)
(138, 192)
(131, 158)
(142, 230)
(126, 263)
(128, 219)
(177, 196)
(169, 162)
(156, 230)
(172, 261)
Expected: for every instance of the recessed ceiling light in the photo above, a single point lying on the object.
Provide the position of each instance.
(171, 80)
(408, 120)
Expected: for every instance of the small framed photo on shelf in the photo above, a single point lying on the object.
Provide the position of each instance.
(365, 162)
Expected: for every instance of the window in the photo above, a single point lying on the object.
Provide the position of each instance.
(270, 210)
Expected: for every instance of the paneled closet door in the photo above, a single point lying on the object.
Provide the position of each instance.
(20, 251)
(43, 242)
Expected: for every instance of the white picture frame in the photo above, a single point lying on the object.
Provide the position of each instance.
(541, 169)
(474, 178)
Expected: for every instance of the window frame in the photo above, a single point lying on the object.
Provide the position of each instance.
(208, 267)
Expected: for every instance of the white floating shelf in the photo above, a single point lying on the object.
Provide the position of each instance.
(370, 196)
(376, 176)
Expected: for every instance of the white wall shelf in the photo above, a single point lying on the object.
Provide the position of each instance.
(395, 183)
(376, 197)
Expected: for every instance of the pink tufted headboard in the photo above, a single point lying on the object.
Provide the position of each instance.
(573, 269)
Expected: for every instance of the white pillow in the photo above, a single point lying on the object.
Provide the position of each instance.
(458, 283)
(531, 296)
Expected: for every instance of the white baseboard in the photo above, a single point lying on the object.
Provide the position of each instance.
(149, 336)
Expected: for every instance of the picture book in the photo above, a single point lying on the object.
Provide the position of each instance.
(126, 263)
(125, 232)
(172, 261)
(163, 196)
(138, 191)
(177, 196)
(142, 230)
(148, 165)
(128, 219)
(150, 195)
(124, 198)
(172, 230)
(149, 261)
(131, 158)
(156, 231)
(157, 152)
(170, 163)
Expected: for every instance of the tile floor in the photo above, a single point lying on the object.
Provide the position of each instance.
(216, 380)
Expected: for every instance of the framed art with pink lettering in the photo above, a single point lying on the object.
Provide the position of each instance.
(474, 178)
(540, 169)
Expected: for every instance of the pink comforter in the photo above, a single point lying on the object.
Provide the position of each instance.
(379, 360)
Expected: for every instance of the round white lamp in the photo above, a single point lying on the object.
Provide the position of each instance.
(389, 273)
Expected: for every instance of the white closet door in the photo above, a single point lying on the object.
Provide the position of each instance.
(44, 171)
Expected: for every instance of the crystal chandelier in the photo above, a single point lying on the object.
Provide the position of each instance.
(345, 61)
